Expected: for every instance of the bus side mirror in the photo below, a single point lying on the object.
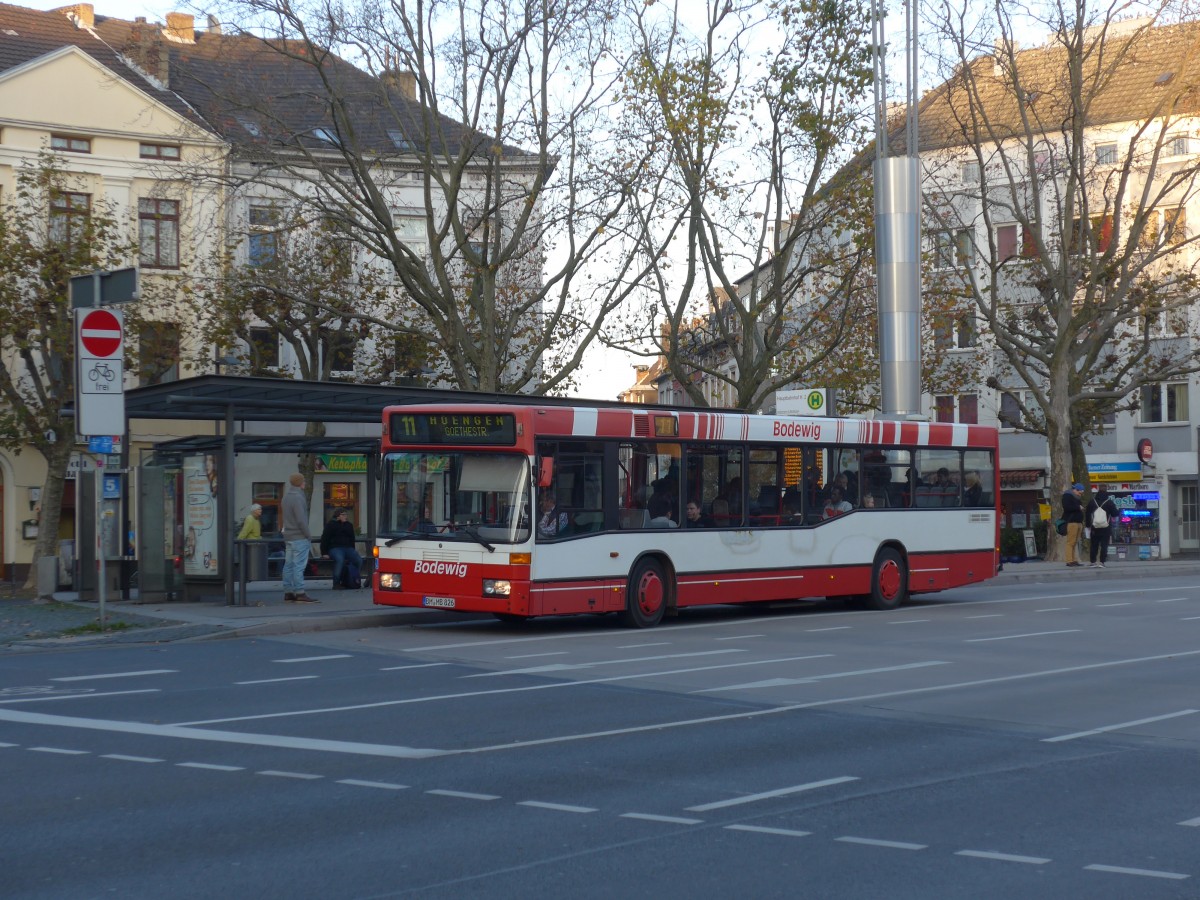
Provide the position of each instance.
(546, 472)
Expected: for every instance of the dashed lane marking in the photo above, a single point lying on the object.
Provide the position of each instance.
(575, 667)
(538, 655)
(909, 621)
(767, 795)
(124, 757)
(671, 820)
(760, 829)
(832, 628)
(303, 776)
(384, 785)
(304, 659)
(988, 616)
(62, 750)
(874, 842)
(83, 694)
(1107, 605)
(1010, 637)
(462, 795)
(1054, 609)
(1118, 726)
(644, 646)
(739, 637)
(117, 675)
(1003, 857)
(558, 807)
(215, 767)
(1193, 823)
(417, 666)
(813, 679)
(277, 680)
(1146, 873)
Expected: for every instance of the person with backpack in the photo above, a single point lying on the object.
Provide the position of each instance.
(1102, 515)
(337, 542)
(1072, 513)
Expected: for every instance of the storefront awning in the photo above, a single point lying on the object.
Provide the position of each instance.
(1021, 478)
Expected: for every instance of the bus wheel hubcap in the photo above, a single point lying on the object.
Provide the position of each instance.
(650, 593)
(889, 579)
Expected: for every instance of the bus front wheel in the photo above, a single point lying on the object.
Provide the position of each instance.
(889, 581)
(646, 599)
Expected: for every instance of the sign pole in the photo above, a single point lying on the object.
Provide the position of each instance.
(98, 479)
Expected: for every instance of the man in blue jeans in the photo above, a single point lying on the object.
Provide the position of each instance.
(297, 541)
(337, 542)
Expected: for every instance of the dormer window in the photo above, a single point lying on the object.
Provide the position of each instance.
(327, 135)
(1179, 145)
(1106, 154)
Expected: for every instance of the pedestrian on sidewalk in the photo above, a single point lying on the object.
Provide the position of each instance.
(297, 541)
(337, 542)
(252, 527)
(1102, 515)
(1072, 513)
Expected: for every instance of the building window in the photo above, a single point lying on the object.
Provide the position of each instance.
(1106, 154)
(340, 347)
(954, 331)
(1010, 410)
(967, 404)
(263, 237)
(1006, 241)
(1101, 234)
(264, 348)
(1164, 403)
(168, 152)
(69, 214)
(158, 233)
(68, 144)
(954, 249)
(1178, 145)
(159, 353)
(969, 173)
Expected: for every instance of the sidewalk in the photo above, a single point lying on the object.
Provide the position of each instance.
(267, 614)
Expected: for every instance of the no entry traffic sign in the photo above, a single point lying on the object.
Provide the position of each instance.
(100, 334)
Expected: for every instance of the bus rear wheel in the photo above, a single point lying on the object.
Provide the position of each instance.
(889, 581)
(646, 599)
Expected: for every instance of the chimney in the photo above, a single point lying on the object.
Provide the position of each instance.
(400, 80)
(181, 26)
(214, 24)
(148, 51)
(84, 14)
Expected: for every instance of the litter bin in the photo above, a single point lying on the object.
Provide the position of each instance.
(254, 558)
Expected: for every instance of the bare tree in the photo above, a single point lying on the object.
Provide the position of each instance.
(1060, 168)
(51, 229)
(459, 143)
(748, 110)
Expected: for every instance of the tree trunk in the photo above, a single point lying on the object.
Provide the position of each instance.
(49, 513)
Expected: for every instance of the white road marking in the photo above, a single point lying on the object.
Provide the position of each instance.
(673, 820)
(510, 690)
(1107, 605)
(1194, 823)
(908, 622)
(575, 667)
(277, 680)
(43, 698)
(537, 655)
(559, 807)
(813, 679)
(872, 842)
(122, 756)
(276, 773)
(833, 628)
(226, 737)
(1118, 727)
(988, 616)
(767, 795)
(117, 675)
(60, 750)
(1002, 857)
(301, 659)
(1054, 609)
(759, 829)
(212, 766)
(465, 795)
(420, 666)
(1148, 873)
(643, 646)
(1171, 600)
(1010, 637)
(385, 785)
(5, 744)
(739, 637)
(1190, 619)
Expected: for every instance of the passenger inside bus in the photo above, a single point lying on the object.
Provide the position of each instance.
(660, 512)
(551, 522)
(696, 517)
(835, 505)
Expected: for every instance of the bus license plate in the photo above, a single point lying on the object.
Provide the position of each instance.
(443, 602)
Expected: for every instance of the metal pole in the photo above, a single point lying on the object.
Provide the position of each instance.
(225, 533)
(101, 573)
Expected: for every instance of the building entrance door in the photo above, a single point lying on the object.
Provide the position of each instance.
(1188, 518)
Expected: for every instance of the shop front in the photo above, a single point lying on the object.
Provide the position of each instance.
(1138, 532)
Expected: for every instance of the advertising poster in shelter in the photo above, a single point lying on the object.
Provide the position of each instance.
(200, 515)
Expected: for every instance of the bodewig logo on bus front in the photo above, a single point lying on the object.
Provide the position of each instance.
(427, 567)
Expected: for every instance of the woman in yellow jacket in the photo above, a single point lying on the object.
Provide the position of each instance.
(252, 527)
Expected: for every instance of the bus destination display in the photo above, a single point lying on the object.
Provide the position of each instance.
(454, 428)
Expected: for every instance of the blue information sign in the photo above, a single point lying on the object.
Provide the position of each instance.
(100, 444)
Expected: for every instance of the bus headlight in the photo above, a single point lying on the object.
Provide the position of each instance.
(389, 581)
(493, 587)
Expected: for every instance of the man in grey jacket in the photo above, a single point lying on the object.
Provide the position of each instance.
(297, 541)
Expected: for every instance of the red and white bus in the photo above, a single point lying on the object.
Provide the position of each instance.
(525, 511)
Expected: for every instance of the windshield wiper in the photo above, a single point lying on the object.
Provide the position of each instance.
(470, 530)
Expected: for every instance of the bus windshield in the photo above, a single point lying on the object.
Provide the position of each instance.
(457, 496)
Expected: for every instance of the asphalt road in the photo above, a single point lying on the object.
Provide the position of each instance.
(995, 742)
